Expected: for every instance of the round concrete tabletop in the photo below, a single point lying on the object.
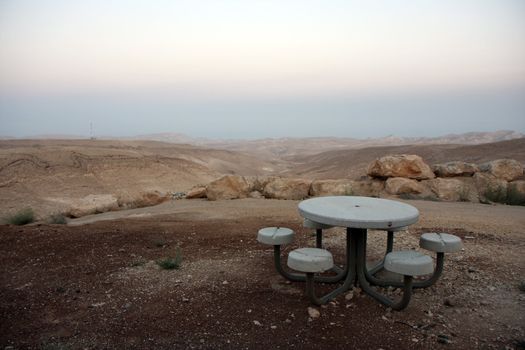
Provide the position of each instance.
(359, 212)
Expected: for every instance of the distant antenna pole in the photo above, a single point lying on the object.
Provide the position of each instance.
(91, 131)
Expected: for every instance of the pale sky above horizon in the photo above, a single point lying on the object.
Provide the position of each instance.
(254, 68)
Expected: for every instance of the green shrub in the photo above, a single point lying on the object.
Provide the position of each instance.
(171, 263)
(58, 219)
(23, 217)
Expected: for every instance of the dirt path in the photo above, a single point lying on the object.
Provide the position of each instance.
(499, 219)
(95, 284)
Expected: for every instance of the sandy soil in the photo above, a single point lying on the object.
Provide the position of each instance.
(94, 283)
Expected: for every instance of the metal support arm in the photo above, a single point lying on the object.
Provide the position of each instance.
(361, 268)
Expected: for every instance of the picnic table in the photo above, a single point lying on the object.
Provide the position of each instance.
(358, 215)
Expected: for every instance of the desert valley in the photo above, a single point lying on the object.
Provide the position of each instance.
(79, 177)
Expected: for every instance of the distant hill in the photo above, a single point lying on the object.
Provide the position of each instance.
(352, 163)
(281, 148)
(284, 147)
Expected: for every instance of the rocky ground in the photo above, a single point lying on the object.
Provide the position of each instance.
(95, 283)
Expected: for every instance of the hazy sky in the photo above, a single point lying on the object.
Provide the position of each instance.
(261, 68)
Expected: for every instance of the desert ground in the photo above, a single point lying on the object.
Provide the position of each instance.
(95, 282)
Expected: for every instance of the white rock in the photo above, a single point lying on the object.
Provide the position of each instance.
(313, 312)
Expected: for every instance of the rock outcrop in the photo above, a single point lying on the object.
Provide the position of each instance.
(490, 188)
(196, 192)
(451, 190)
(331, 188)
(228, 187)
(403, 165)
(505, 169)
(516, 193)
(142, 199)
(395, 175)
(401, 185)
(368, 188)
(258, 183)
(285, 188)
(456, 168)
(92, 204)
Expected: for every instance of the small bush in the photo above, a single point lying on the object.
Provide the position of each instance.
(23, 217)
(58, 219)
(171, 263)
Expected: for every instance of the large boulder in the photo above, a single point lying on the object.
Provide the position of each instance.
(368, 188)
(331, 188)
(228, 187)
(505, 169)
(150, 198)
(401, 185)
(490, 188)
(452, 190)
(93, 204)
(196, 192)
(258, 183)
(404, 165)
(131, 200)
(284, 188)
(516, 193)
(456, 168)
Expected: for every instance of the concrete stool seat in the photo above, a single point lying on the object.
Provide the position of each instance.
(310, 260)
(440, 242)
(275, 235)
(389, 248)
(315, 225)
(409, 263)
